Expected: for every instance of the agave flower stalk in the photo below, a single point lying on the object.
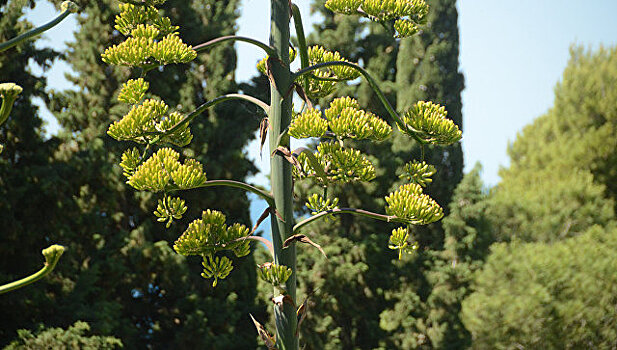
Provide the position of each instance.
(153, 42)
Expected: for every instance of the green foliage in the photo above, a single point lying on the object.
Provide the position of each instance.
(562, 175)
(73, 338)
(547, 296)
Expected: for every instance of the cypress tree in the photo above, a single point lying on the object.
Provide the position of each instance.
(120, 274)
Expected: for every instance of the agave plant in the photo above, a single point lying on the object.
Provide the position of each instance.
(155, 166)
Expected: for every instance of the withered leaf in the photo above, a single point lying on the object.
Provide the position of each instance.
(268, 339)
(303, 95)
(282, 299)
(263, 132)
(303, 239)
(288, 156)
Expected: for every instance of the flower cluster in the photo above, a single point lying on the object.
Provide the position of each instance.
(406, 14)
(339, 164)
(428, 121)
(344, 119)
(410, 205)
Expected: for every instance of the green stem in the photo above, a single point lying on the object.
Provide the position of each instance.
(304, 58)
(202, 47)
(280, 171)
(360, 212)
(52, 255)
(70, 8)
(374, 86)
(207, 105)
(237, 184)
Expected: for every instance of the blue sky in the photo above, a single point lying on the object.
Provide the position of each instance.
(512, 55)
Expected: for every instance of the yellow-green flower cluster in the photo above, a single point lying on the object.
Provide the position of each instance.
(344, 119)
(409, 204)
(318, 204)
(133, 91)
(406, 13)
(144, 51)
(399, 240)
(340, 165)
(164, 172)
(147, 120)
(131, 16)
(210, 234)
(418, 172)
(9, 93)
(323, 80)
(308, 124)
(170, 209)
(217, 268)
(274, 274)
(429, 122)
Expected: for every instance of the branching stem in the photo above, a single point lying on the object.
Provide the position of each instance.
(207, 105)
(304, 59)
(36, 31)
(237, 184)
(374, 86)
(52, 256)
(202, 47)
(360, 212)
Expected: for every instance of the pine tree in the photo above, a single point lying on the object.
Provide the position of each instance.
(350, 296)
(547, 296)
(562, 175)
(121, 274)
(551, 283)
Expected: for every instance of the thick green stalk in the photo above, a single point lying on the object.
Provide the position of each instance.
(280, 169)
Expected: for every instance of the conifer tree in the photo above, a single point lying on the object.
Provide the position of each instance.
(422, 67)
(121, 274)
(551, 283)
(562, 175)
